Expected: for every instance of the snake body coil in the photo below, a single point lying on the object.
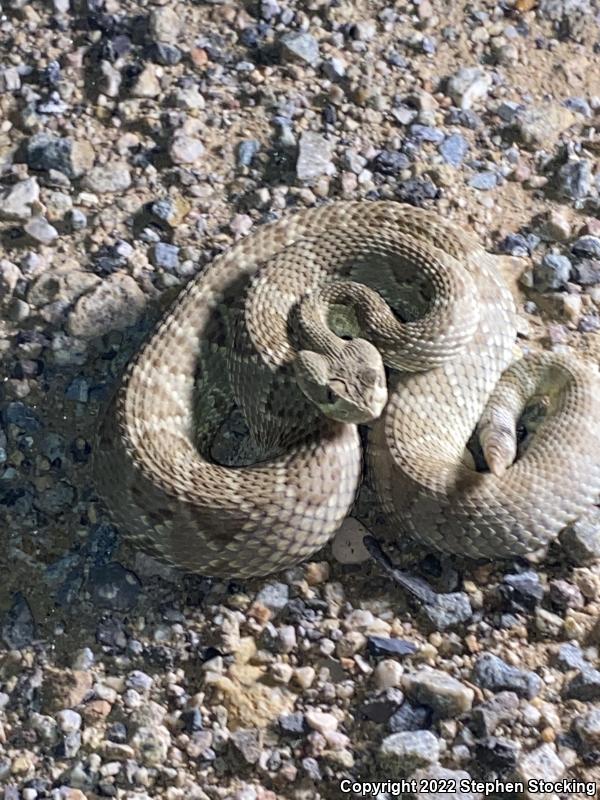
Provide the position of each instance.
(446, 330)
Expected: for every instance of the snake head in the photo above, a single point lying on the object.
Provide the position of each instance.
(349, 386)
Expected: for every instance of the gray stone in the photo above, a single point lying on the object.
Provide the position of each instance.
(140, 681)
(586, 271)
(166, 256)
(293, 724)
(444, 694)
(581, 539)
(111, 79)
(314, 157)
(10, 80)
(587, 728)
(247, 744)
(587, 247)
(542, 764)
(400, 754)
(449, 610)
(10, 275)
(147, 83)
(426, 133)
(301, 47)
(541, 126)
(553, 272)
(151, 745)
(45, 152)
(274, 596)
(77, 219)
(41, 230)
(185, 149)
(468, 85)
(108, 178)
(574, 179)
(115, 304)
(584, 686)
(246, 151)
(16, 200)
(165, 24)
(410, 717)
(491, 672)
(487, 716)
(484, 181)
(454, 149)
(68, 720)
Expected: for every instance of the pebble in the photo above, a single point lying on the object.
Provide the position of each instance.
(586, 272)
(165, 256)
(151, 744)
(556, 227)
(587, 728)
(522, 591)
(47, 152)
(487, 716)
(40, 230)
(581, 539)
(293, 724)
(453, 149)
(446, 696)
(390, 162)
(68, 720)
(246, 152)
(314, 157)
(320, 721)
(573, 179)
(541, 126)
(300, 47)
(400, 754)
(467, 86)
(185, 149)
(584, 686)
(410, 717)
(147, 83)
(16, 201)
(484, 181)
(389, 646)
(108, 178)
(542, 763)
(115, 304)
(450, 610)
(274, 596)
(587, 247)
(165, 24)
(491, 672)
(388, 674)
(552, 273)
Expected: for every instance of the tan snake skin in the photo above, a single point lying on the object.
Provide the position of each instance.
(152, 462)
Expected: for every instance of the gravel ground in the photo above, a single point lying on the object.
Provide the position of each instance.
(138, 140)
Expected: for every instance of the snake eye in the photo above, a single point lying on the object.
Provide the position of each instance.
(330, 396)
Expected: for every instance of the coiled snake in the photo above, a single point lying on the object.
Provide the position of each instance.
(294, 324)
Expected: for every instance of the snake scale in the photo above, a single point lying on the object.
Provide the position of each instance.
(301, 325)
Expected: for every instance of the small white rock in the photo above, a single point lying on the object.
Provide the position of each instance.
(185, 149)
(16, 200)
(321, 721)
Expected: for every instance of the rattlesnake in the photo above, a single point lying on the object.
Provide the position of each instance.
(235, 332)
